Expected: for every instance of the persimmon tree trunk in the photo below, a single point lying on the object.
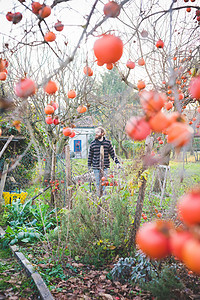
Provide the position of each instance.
(68, 176)
(53, 172)
(165, 158)
(124, 150)
(47, 168)
(3, 180)
(138, 213)
(140, 199)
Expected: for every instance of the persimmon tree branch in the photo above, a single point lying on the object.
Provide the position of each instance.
(6, 145)
(55, 2)
(104, 19)
(70, 58)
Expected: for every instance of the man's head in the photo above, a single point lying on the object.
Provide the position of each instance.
(99, 132)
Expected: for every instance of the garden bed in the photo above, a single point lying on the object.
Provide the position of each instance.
(72, 279)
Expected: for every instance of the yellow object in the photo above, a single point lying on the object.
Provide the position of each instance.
(9, 197)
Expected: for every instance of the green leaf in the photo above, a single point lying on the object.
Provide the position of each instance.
(20, 235)
(25, 240)
(9, 230)
(32, 235)
(26, 234)
(37, 235)
(14, 241)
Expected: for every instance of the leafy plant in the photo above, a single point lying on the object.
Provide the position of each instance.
(26, 222)
(19, 234)
(18, 213)
(49, 274)
(44, 219)
(122, 269)
(136, 269)
(141, 272)
(37, 215)
(159, 279)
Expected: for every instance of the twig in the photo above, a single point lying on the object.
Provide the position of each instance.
(48, 243)
(46, 188)
(55, 2)
(104, 19)
(6, 145)
(70, 58)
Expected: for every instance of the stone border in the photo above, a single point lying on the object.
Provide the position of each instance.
(30, 271)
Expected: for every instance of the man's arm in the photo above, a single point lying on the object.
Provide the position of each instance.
(90, 157)
(112, 154)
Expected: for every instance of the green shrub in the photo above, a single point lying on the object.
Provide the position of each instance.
(98, 234)
(164, 282)
(160, 279)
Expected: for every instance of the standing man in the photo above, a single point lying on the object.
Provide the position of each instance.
(98, 157)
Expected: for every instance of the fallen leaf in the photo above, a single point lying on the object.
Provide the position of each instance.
(102, 277)
(105, 272)
(72, 280)
(11, 281)
(9, 290)
(27, 290)
(86, 297)
(123, 287)
(43, 266)
(75, 265)
(106, 296)
(100, 289)
(89, 284)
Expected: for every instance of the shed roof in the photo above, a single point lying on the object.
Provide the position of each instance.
(85, 122)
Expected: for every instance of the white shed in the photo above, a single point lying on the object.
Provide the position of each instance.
(79, 144)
